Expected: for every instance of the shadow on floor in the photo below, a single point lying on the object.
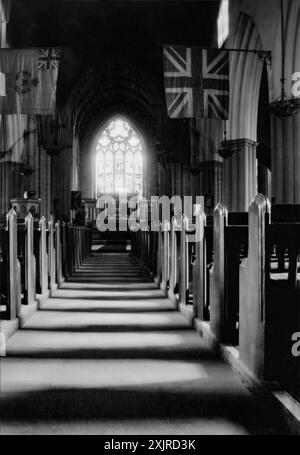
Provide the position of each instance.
(69, 404)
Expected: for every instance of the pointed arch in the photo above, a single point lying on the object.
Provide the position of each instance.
(119, 158)
(246, 72)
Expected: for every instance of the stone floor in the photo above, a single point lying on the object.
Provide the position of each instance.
(108, 354)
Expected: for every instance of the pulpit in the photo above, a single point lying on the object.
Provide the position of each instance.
(23, 206)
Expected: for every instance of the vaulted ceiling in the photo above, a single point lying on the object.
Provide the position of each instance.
(102, 30)
(113, 49)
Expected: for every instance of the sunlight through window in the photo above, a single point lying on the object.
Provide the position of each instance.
(223, 22)
(119, 162)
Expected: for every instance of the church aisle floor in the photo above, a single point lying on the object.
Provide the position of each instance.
(108, 354)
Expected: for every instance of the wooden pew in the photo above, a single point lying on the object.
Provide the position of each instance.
(44, 276)
(41, 256)
(27, 260)
(10, 270)
(64, 267)
(159, 256)
(148, 252)
(51, 256)
(201, 265)
(230, 237)
(77, 247)
(143, 250)
(269, 299)
(36, 252)
(7, 310)
(30, 262)
(32, 258)
(70, 250)
(72, 246)
(153, 246)
(58, 254)
(187, 253)
(165, 256)
(148, 246)
(136, 241)
(174, 262)
(21, 247)
(283, 213)
(184, 264)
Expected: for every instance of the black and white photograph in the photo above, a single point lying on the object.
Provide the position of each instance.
(149, 221)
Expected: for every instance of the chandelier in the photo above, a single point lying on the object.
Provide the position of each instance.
(55, 133)
(284, 106)
(227, 148)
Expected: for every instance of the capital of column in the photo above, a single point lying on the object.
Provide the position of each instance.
(240, 181)
(231, 146)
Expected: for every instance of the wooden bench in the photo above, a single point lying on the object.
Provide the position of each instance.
(230, 243)
(10, 270)
(270, 299)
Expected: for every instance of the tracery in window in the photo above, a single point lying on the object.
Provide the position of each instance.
(119, 160)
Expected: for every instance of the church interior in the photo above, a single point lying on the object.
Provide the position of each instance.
(182, 324)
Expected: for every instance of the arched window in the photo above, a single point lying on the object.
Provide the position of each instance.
(119, 163)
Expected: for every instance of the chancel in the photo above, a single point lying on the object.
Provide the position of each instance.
(149, 218)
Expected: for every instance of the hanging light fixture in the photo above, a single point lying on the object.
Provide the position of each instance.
(227, 148)
(195, 165)
(284, 106)
(26, 169)
(54, 133)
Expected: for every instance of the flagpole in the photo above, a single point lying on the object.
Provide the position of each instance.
(33, 48)
(229, 49)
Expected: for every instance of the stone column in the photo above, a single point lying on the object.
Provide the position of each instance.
(61, 183)
(44, 182)
(240, 174)
(163, 173)
(151, 177)
(174, 178)
(286, 160)
(11, 184)
(186, 181)
(206, 180)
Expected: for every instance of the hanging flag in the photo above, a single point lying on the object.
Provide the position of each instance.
(196, 82)
(5, 7)
(31, 77)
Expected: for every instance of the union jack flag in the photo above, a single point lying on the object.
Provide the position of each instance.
(196, 82)
(49, 59)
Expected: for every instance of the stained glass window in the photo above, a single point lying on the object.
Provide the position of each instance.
(119, 159)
